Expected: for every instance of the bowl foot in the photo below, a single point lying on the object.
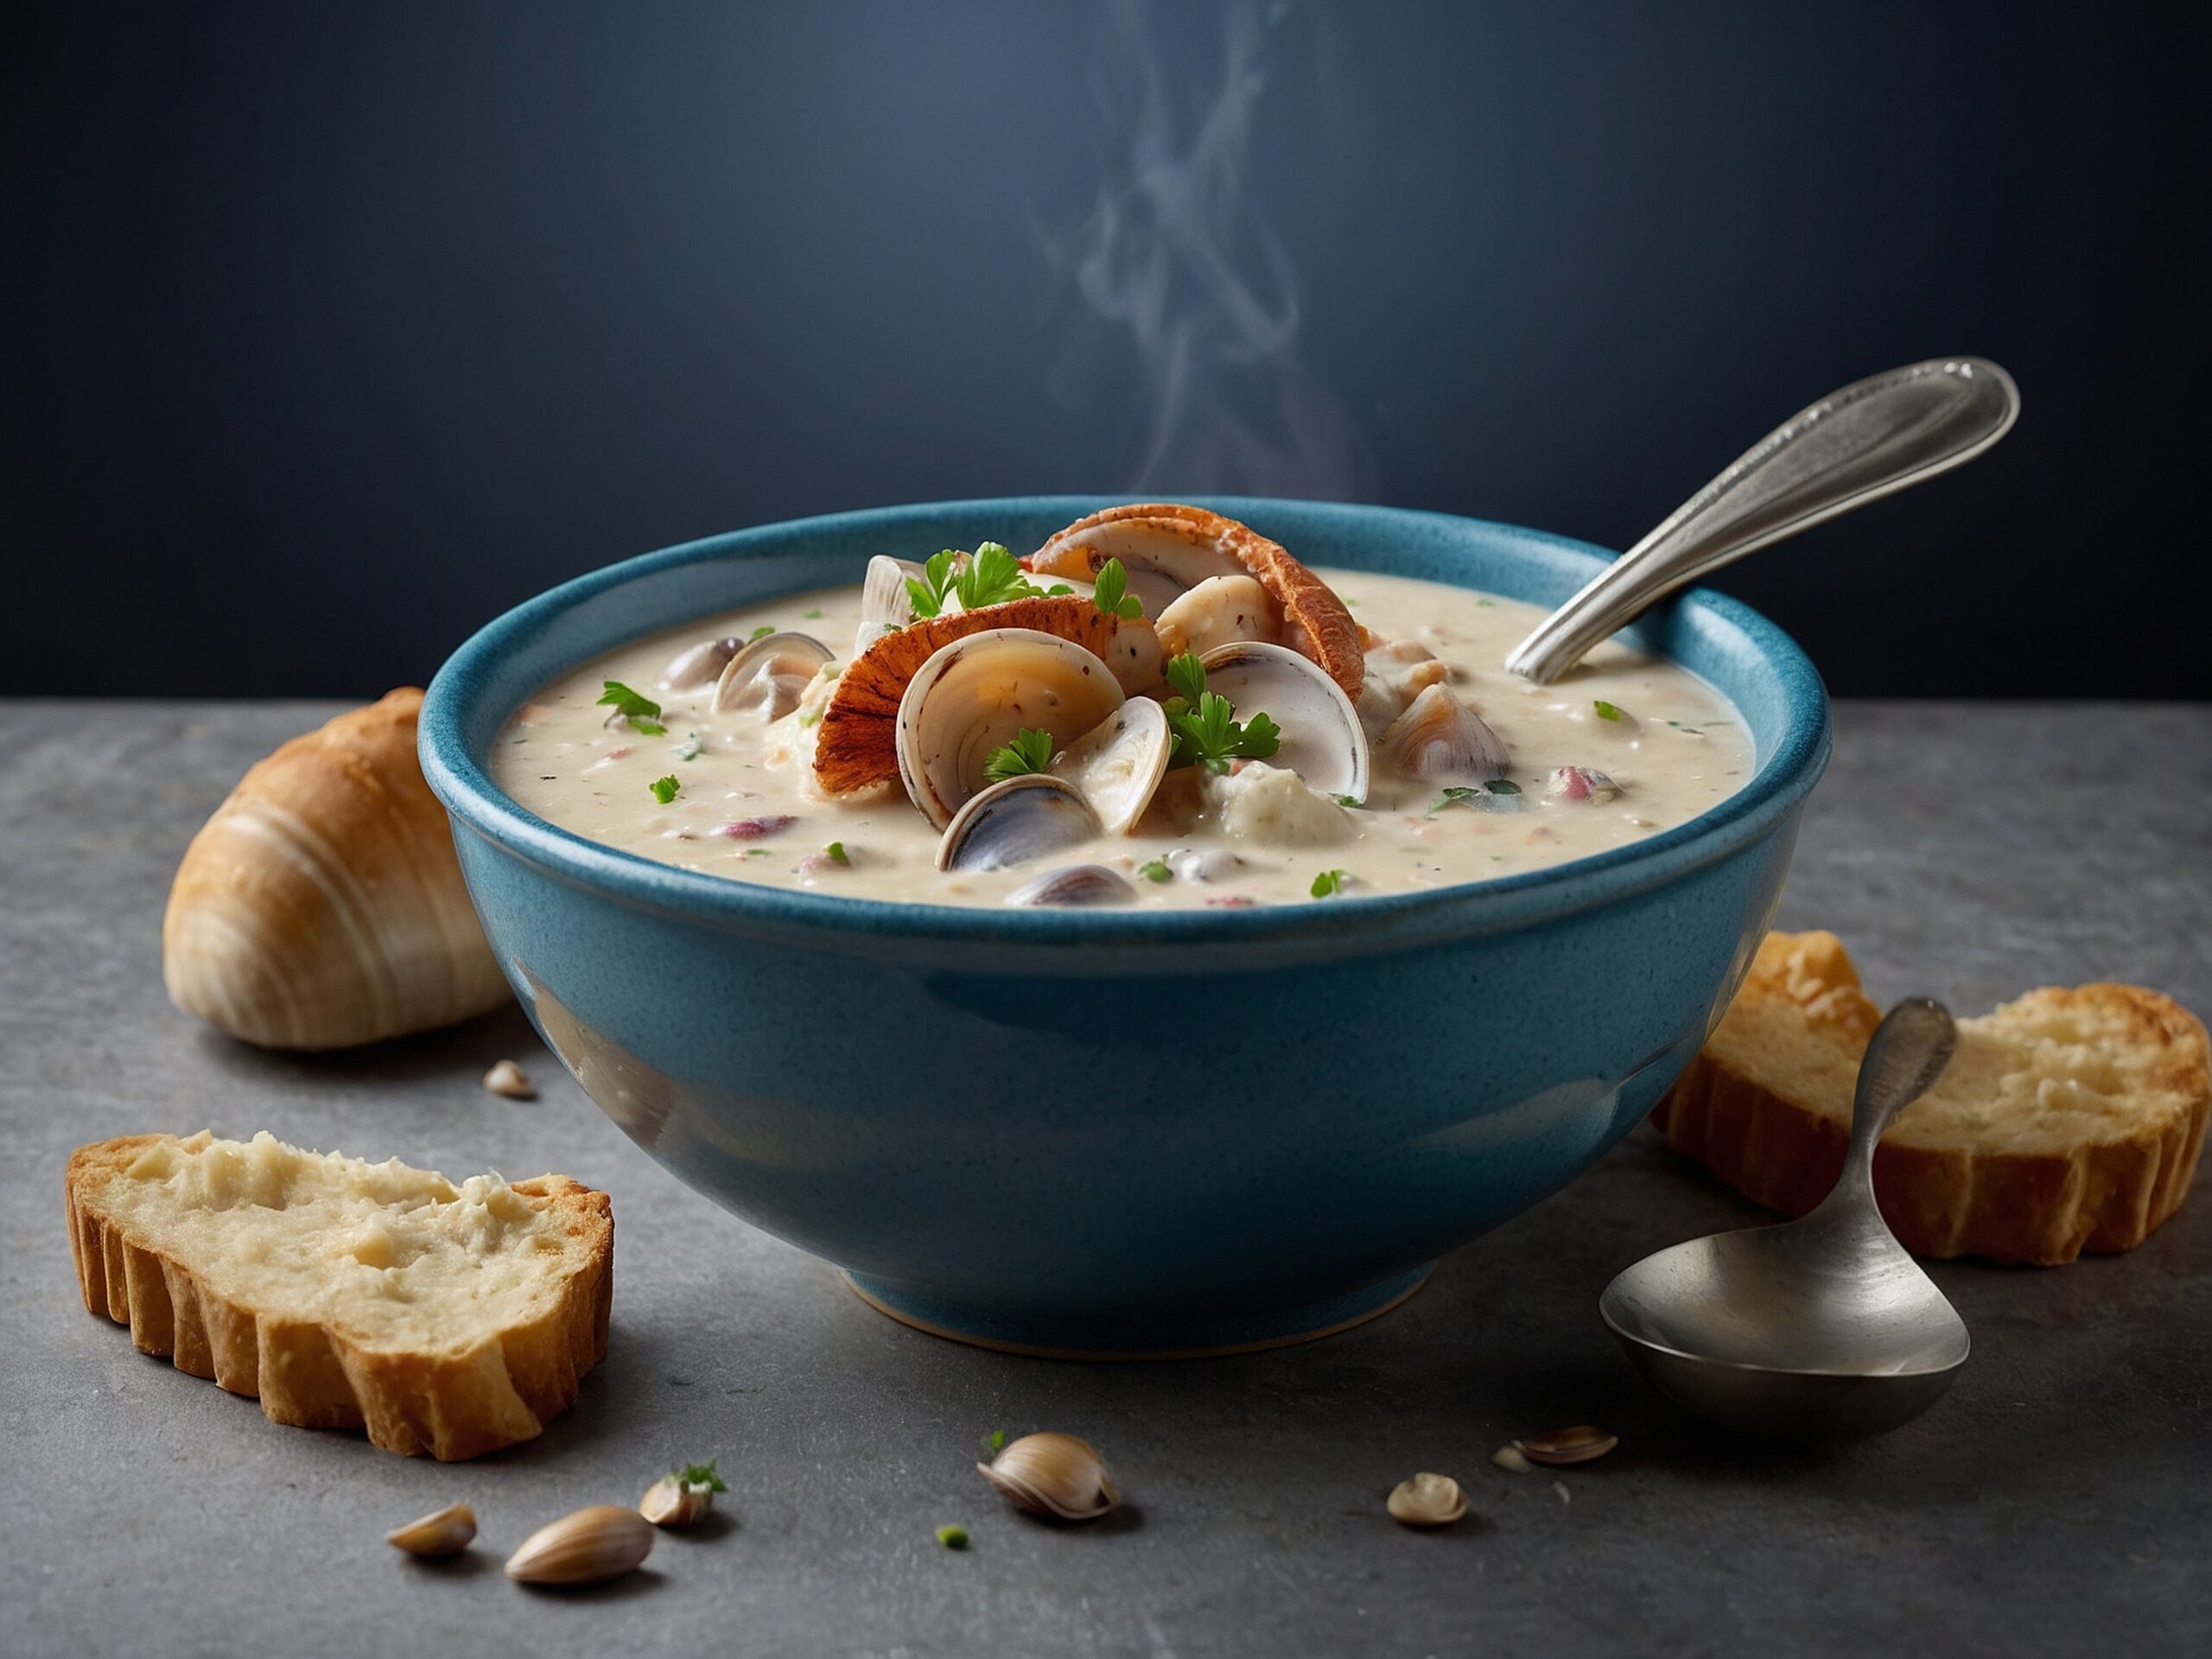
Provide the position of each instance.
(1166, 1336)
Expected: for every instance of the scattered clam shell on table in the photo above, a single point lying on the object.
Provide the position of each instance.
(1578, 1443)
(443, 1532)
(1427, 1500)
(589, 1547)
(508, 1078)
(1055, 1475)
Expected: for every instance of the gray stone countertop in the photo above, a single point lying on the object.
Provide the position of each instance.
(2058, 1500)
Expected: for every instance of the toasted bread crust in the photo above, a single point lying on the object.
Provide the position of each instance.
(323, 1376)
(857, 742)
(1945, 1194)
(1316, 622)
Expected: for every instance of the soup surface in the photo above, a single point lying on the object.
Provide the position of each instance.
(1624, 746)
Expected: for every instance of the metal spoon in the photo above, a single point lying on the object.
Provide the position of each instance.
(1872, 438)
(1821, 1326)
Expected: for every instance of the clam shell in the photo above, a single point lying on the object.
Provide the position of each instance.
(1322, 739)
(1024, 818)
(769, 672)
(1118, 763)
(976, 693)
(1078, 884)
(1168, 549)
(699, 663)
(885, 605)
(1441, 739)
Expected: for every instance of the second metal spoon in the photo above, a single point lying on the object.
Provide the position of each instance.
(1872, 438)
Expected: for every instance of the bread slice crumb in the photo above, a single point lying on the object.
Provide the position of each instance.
(2069, 1120)
(440, 1318)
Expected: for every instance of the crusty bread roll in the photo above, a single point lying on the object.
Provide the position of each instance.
(322, 906)
(2069, 1119)
(445, 1319)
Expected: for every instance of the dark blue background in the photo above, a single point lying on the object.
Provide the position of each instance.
(331, 331)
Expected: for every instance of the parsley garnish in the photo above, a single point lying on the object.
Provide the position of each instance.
(994, 1442)
(1205, 732)
(1477, 795)
(642, 712)
(1031, 750)
(1352, 802)
(703, 1474)
(1111, 591)
(1606, 710)
(1155, 869)
(664, 789)
(810, 615)
(836, 853)
(1326, 883)
(952, 1537)
(991, 576)
(689, 748)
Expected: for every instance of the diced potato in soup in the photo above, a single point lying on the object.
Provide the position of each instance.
(1239, 773)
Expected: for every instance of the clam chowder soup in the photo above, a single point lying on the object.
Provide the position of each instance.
(1158, 707)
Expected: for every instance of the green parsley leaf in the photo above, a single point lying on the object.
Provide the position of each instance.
(1031, 750)
(812, 614)
(993, 577)
(1205, 732)
(994, 1442)
(703, 1474)
(1059, 590)
(1111, 591)
(952, 1537)
(1606, 710)
(664, 789)
(927, 594)
(689, 748)
(1188, 677)
(836, 853)
(1477, 795)
(1327, 883)
(1155, 869)
(642, 712)
(1353, 803)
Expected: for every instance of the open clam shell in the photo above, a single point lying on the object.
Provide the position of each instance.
(1322, 739)
(1118, 763)
(1032, 815)
(1439, 738)
(769, 674)
(973, 696)
(886, 606)
(1168, 549)
(1078, 884)
(856, 744)
(699, 665)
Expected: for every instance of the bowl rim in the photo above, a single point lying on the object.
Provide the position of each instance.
(464, 785)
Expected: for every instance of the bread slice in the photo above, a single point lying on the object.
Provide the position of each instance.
(2068, 1120)
(447, 1320)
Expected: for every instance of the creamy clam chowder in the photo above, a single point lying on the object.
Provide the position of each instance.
(1155, 722)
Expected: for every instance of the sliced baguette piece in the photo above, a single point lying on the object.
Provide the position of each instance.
(2069, 1120)
(445, 1319)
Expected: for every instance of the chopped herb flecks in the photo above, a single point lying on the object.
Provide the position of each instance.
(664, 789)
(703, 1474)
(1606, 710)
(642, 712)
(835, 853)
(813, 614)
(1155, 869)
(952, 1537)
(1328, 883)
(760, 633)
(1487, 795)
(689, 748)
(1031, 750)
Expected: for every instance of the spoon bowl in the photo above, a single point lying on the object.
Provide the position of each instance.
(1820, 1327)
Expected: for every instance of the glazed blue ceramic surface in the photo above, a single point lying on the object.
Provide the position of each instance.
(1104, 1131)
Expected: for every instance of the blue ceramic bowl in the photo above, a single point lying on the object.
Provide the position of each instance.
(1107, 1132)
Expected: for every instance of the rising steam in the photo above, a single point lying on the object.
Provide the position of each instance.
(1177, 269)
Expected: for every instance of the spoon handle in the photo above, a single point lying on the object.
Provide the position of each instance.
(1873, 437)
(1909, 1052)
